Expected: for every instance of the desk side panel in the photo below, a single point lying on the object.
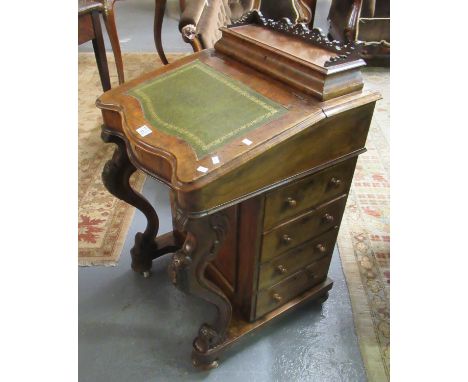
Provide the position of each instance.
(250, 230)
(225, 262)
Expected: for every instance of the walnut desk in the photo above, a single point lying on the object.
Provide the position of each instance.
(257, 141)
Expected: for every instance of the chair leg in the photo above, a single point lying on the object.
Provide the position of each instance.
(100, 52)
(160, 7)
(182, 5)
(109, 20)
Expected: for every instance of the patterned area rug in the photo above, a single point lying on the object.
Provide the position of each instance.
(103, 220)
(364, 239)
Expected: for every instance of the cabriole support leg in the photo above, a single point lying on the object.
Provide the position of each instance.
(116, 178)
(187, 270)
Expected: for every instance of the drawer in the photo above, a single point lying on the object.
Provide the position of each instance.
(300, 196)
(301, 229)
(277, 295)
(297, 258)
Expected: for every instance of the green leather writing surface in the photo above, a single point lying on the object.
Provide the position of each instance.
(203, 107)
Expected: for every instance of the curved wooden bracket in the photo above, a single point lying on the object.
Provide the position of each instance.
(187, 271)
(352, 21)
(305, 11)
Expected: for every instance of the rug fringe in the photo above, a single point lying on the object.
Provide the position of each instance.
(93, 263)
(363, 323)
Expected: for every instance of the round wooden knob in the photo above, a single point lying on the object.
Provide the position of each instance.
(321, 248)
(335, 182)
(282, 269)
(291, 202)
(277, 297)
(327, 218)
(286, 239)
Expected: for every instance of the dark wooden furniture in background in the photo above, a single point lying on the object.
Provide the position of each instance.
(89, 28)
(298, 11)
(364, 20)
(159, 10)
(200, 20)
(254, 230)
(109, 21)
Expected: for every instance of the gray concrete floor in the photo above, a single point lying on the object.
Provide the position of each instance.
(136, 329)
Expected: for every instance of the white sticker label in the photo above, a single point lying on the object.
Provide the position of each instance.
(144, 130)
(215, 159)
(247, 142)
(202, 169)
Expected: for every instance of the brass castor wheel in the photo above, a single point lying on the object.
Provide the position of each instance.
(204, 366)
(323, 298)
(146, 274)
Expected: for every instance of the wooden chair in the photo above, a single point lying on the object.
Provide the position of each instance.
(89, 29)
(201, 19)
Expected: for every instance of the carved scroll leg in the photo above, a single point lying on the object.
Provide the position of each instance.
(116, 178)
(187, 270)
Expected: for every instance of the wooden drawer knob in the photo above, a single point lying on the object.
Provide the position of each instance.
(277, 297)
(321, 248)
(327, 218)
(282, 269)
(335, 182)
(286, 239)
(291, 202)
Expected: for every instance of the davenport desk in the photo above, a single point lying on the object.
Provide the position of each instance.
(257, 140)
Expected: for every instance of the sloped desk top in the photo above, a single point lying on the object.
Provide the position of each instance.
(175, 159)
(212, 111)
